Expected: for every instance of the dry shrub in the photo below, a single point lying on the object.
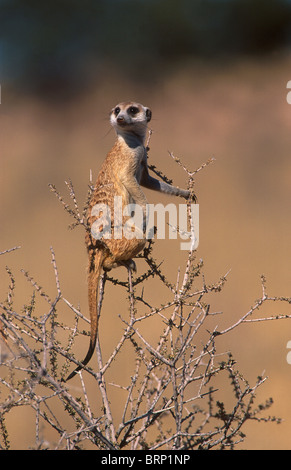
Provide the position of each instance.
(175, 396)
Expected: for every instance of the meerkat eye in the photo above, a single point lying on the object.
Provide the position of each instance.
(117, 110)
(133, 110)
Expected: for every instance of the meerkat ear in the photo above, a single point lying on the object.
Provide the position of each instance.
(148, 114)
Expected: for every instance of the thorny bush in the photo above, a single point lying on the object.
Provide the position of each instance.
(171, 396)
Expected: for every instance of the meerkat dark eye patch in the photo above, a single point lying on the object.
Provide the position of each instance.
(133, 110)
(117, 110)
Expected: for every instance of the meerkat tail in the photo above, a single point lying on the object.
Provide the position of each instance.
(93, 285)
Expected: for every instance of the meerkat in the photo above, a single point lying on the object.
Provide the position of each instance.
(123, 173)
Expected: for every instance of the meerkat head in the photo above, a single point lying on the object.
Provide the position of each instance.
(130, 118)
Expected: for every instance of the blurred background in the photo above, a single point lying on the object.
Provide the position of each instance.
(214, 73)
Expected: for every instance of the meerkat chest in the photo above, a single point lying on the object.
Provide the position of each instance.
(130, 165)
(125, 165)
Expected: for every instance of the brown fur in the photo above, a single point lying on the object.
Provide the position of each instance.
(122, 173)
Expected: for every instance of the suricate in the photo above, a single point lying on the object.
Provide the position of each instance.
(123, 171)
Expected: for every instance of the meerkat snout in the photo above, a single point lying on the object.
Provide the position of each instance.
(120, 119)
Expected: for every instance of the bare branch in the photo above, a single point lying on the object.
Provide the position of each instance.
(167, 396)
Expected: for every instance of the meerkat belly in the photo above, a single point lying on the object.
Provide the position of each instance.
(121, 228)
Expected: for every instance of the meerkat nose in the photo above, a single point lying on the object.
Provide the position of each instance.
(120, 120)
